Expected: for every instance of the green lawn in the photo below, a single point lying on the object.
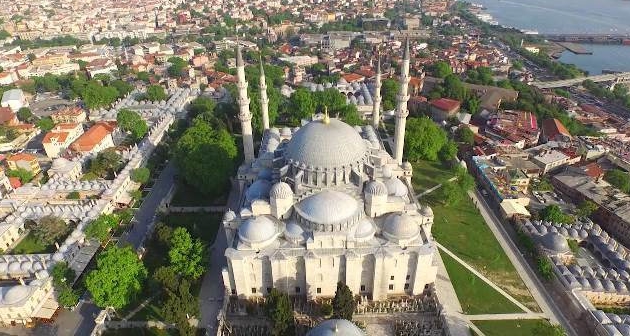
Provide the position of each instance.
(476, 296)
(200, 225)
(428, 174)
(186, 195)
(150, 312)
(510, 327)
(139, 332)
(30, 245)
(462, 230)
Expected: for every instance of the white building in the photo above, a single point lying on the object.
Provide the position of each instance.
(14, 99)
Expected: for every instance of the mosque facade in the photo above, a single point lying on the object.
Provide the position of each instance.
(326, 203)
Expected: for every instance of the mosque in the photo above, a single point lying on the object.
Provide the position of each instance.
(324, 203)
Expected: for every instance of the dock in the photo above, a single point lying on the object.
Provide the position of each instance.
(575, 48)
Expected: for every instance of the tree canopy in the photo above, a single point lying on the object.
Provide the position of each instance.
(343, 303)
(24, 175)
(106, 163)
(441, 69)
(100, 227)
(178, 65)
(62, 281)
(140, 175)
(586, 208)
(206, 157)
(553, 213)
(619, 179)
(155, 93)
(302, 105)
(25, 115)
(279, 310)
(131, 121)
(423, 139)
(50, 229)
(389, 91)
(117, 279)
(186, 254)
(465, 135)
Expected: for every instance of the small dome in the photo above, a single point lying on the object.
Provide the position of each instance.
(336, 327)
(294, 232)
(396, 187)
(229, 216)
(400, 226)
(14, 267)
(555, 242)
(387, 171)
(426, 211)
(281, 190)
(257, 230)
(59, 163)
(16, 294)
(376, 188)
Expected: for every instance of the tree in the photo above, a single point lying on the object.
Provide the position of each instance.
(140, 175)
(106, 163)
(95, 95)
(279, 311)
(423, 139)
(544, 328)
(206, 157)
(619, 179)
(389, 91)
(165, 278)
(179, 306)
(130, 121)
(448, 151)
(122, 87)
(155, 93)
(450, 193)
(201, 105)
(100, 227)
(545, 268)
(343, 303)
(464, 180)
(49, 229)
(301, 105)
(177, 67)
(24, 175)
(465, 135)
(586, 208)
(63, 276)
(74, 195)
(454, 88)
(553, 213)
(441, 69)
(25, 115)
(45, 124)
(186, 255)
(117, 279)
(143, 76)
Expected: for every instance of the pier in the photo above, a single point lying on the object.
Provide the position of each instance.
(588, 38)
(575, 48)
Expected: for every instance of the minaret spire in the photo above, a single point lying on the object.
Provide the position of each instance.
(243, 102)
(401, 109)
(376, 107)
(264, 101)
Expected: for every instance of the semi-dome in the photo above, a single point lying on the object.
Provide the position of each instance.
(257, 230)
(336, 327)
(396, 187)
(322, 144)
(329, 207)
(365, 229)
(258, 190)
(294, 232)
(16, 294)
(376, 188)
(281, 190)
(400, 226)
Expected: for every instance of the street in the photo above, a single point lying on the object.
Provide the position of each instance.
(530, 278)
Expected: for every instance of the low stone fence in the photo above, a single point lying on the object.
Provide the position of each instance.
(190, 209)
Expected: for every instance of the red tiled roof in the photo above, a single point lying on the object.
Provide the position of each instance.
(352, 77)
(6, 115)
(446, 104)
(61, 136)
(15, 182)
(22, 157)
(553, 127)
(92, 137)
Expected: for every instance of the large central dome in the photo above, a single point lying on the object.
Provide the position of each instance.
(326, 145)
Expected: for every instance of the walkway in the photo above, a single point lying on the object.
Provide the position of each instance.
(515, 316)
(531, 280)
(137, 309)
(428, 191)
(624, 76)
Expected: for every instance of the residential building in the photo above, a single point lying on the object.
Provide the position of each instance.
(59, 138)
(443, 108)
(24, 161)
(8, 117)
(94, 140)
(554, 130)
(73, 114)
(14, 99)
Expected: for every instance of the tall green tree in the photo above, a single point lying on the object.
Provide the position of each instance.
(279, 310)
(553, 213)
(140, 175)
(465, 135)
(619, 179)
(25, 115)
(389, 91)
(100, 227)
(186, 254)
(586, 208)
(130, 121)
(179, 306)
(156, 93)
(176, 70)
(117, 279)
(441, 69)
(423, 139)
(301, 105)
(50, 229)
(206, 157)
(343, 303)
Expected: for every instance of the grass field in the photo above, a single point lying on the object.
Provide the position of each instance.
(30, 245)
(428, 174)
(510, 327)
(476, 296)
(139, 332)
(462, 230)
(186, 195)
(200, 225)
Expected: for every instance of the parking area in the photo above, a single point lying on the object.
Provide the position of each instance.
(45, 104)
(541, 199)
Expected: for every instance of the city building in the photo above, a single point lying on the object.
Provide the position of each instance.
(443, 108)
(60, 137)
(95, 139)
(72, 114)
(14, 99)
(8, 117)
(554, 130)
(24, 161)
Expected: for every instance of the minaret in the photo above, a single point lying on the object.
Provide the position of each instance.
(244, 115)
(376, 107)
(264, 101)
(401, 110)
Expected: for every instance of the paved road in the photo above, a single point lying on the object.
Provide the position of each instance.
(538, 290)
(143, 218)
